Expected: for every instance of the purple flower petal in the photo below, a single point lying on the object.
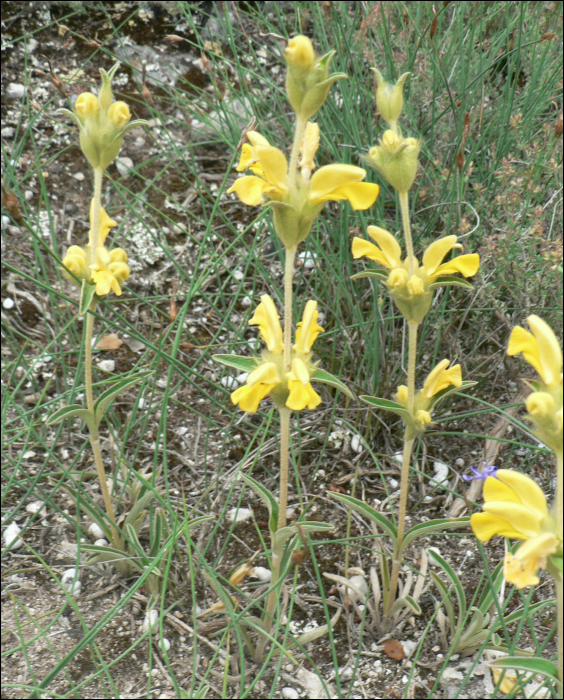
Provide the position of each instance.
(486, 471)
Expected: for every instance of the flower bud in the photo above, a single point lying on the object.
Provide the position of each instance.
(86, 105)
(389, 98)
(396, 159)
(299, 52)
(415, 286)
(422, 420)
(119, 114)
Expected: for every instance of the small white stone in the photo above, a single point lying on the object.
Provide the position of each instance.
(29, 455)
(394, 483)
(356, 444)
(28, 194)
(246, 301)
(124, 165)
(101, 542)
(96, 531)
(11, 536)
(238, 275)
(79, 177)
(345, 674)
(107, 365)
(409, 647)
(398, 457)
(141, 403)
(239, 515)
(290, 693)
(459, 462)
(150, 621)
(15, 91)
(8, 304)
(261, 573)
(360, 584)
(34, 507)
(309, 259)
(441, 472)
(229, 382)
(242, 378)
(290, 513)
(7, 133)
(165, 644)
(69, 584)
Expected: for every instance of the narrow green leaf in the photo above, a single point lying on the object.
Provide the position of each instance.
(136, 515)
(450, 281)
(72, 411)
(406, 602)
(557, 561)
(103, 555)
(87, 291)
(316, 633)
(156, 533)
(197, 522)
(266, 497)
(243, 364)
(105, 400)
(386, 405)
(320, 375)
(285, 533)
(95, 516)
(449, 571)
(433, 526)
(134, 545)
(378, 274)
(536, 665)
(368, 512)
(531, 611)
(446, 601)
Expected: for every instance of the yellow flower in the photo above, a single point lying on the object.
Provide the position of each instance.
(515, 506)
(299, 52)
(396, 159)
(440, 378)
(102, 122)
(542, 351)
(76, 260)
(290, 389)
(295, 208)
(104, 227)
(389, 98)
(413, 295)
(109, 270)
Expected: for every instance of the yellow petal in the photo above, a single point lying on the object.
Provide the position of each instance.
(526, 489)
(331, 177)
(415, 286)
(103, 281)
(246, 157)
(401, 395)
(118, 255)
(119, 114)
(120, 271)
(257, 139)
(388, 244)
(521, 340)
(440, 378)
(104, 226)
(86, 105)
(538, 547)
(397, 278)
(250, 189)
(267, 319)
(274, 165)
(540, 404)
(264, 374)
(302, 396)
(435, 253)
(497, 490)
(467, 265)
(249, 397)
(521, 518)
(550, 354)
(299, 372)
(362, 248)
(307, 329)
(360, 195)
(485, 526)
(508, 682)
(520, 573)
(299, 52)
(310, 144)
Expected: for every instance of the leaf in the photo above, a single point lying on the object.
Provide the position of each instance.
(536, 665)
(432, 526)
(105, 400)
(109, 342)
(280, 536)
(452, 390)
(394, 649)
(449, 571)
(450, 281)
(314, 634)
(244, 364)
(446, 601)
(134, 544)
(386, 405)
(320, 375)
(137, 514)
(378, 274)
(557, 561)
(94, 514)
(72, 411)
(87, 292)
(266, 497)
(110, 555)
(368, 512)
(405, 602)
(532, 609)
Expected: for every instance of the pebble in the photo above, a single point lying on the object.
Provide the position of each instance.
(441, 472)
(107, 365)
(165, 644)
(28, 194)
(96, 531)
(101, 542)
(79, 177)
(238, 275)
(8, 132)
(141, 403)
(242, 378)
(124, 166)
(11, 536)
(150, 621)
(34, 507)
(290, 693)
(239, 515)
(8, 304)
(309, 259)
(246, 301)
(15, 91)
(430, 551)
(229, 382)
(261, 573)
(356, 444)
(69, 584)
(459, 462)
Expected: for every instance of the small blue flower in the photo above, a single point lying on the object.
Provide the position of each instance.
(486, 472)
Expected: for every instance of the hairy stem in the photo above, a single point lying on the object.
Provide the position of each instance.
(284, 464)
(404, 206)
(288, 274)
(558, 578)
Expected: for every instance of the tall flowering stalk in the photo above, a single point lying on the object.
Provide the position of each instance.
(295, 192)
(514, 505)
(412, 285)
(102, 123)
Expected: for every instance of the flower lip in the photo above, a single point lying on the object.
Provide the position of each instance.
(481, 474)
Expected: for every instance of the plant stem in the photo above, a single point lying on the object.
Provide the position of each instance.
(407, 443)
(288, 274)
(294, 155)
(558, 578)
(284, 463)
(404, 206)
(94, 433)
